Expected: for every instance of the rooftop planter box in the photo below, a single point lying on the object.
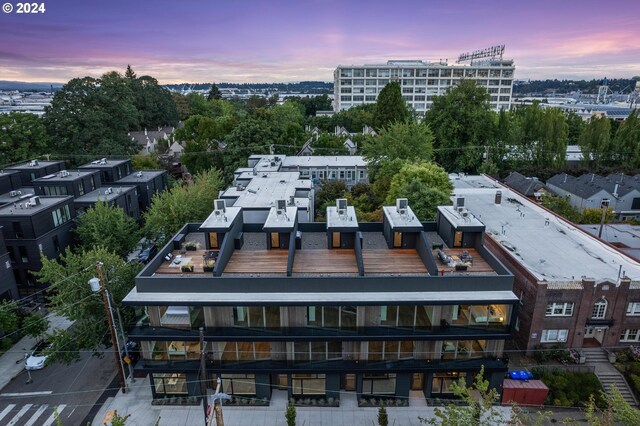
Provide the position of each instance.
(207, 265)
(191, 245)
(187, 268)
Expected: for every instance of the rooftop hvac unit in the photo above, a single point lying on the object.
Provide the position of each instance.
(139, 174)
(281, 206)
(219, 205)
(13, 194)
(64, 173)
(341, 205)
(35, 201)
(459, 202)
(103, 161)
(33, 163)
(108, 191)
(292, 200)
(401, 205)
(239, 187)
(95, 162)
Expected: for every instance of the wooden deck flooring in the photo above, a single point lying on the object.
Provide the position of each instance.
(478, 265)
(257, 262)
(335, 261)
(400, 261)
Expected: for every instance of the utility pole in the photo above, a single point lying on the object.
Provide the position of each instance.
(218, 408)
(112, 330)
(126, 349)
(203, 377)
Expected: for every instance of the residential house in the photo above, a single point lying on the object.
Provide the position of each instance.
(125, 197)
(35, 169)
(148, 182)
(527, 186)
(68, 182)
(110, 170)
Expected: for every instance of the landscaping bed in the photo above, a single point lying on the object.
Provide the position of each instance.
(314, 402)
(628, 363)
(569, 389)
(383, 401)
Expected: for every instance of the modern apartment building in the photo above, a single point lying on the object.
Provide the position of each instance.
(125, 197)
(421, 81)
(148, 182)
(35, 169)
(110, 170)
(67, 182)
(32, 227)
(574, 289)
(319, 309)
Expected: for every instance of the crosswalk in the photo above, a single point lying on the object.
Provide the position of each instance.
(29, 414)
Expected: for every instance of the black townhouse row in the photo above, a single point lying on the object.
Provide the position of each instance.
(40, 201)
(319, 309)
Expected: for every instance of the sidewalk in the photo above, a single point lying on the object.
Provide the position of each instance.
(137, 403)
(9, 365)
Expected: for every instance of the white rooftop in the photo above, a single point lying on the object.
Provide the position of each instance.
(285, 219)
(548, 246)
(324, 161)
(221, 219)
(266, 187)
(335, 220)
(397, 220)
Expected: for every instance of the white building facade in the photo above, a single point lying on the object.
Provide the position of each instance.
(421, 81)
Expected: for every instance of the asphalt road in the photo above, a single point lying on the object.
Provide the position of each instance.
(74, 389)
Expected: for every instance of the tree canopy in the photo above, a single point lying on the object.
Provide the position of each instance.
(108, 226)
(390, 106)
(22, 136)
(407, 140)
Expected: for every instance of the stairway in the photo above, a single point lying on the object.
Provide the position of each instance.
(607, 373)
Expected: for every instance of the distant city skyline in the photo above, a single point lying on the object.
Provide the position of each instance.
(287, 40)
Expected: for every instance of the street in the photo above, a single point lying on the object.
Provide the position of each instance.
(74, 389)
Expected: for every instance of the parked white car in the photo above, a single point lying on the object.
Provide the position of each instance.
(36, 360)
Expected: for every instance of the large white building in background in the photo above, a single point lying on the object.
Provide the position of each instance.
(420, 81)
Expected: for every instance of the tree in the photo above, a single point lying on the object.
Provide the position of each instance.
(197, 104)
(171, 210)
(478, 409)
(92, 117)
(595, 141)
(408, 140)
(383, 418)
(8, 316)
(154, 103)
(390, 106)
(108, 226)
(129, 73)
(290, 415)
(618, 411)
(214, 93)
(182, 105)
(425, 185)
(627, 141)
(575, 126)
(72, 297)
(561, 206)
(329, 191)
(463, 124)
(22, 136)
(35, 325)
(145, 162)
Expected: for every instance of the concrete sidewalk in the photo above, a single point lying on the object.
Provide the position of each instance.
(137, 403)
(12, 361)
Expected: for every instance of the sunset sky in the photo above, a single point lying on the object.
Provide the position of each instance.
(272, 41)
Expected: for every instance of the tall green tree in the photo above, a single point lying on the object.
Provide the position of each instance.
(171, 209)
(22, 136)
(576, 125)
(425, 185)
(87, 118)
(129, 73)
(463, 125)
(182, 105)
(595, 141)
(627, 141)
(108, 226)
(390, 106)
(72, 297)
(154, 103)
(408, 140)
(214, 93)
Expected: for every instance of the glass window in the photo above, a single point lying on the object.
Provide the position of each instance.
(372, 82)
(390, 350)
(445, 72)
(346, 82)
(358, 73)
(238, 384)
(379, 384)
(346, 73)
(559, 309)
(345, 90)
(308, 384)
(316, 351)
(458, 72)
(633, 308)
(358, 82)
(372, 73)
(170, 383)
(554, 336)
(630, 335)
(433, 73)
(408, 72)
(599, 309)
(421, 73)
(244, 351)
(345, 98)
(407, 90)
(383, 73)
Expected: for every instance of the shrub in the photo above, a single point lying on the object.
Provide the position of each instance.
(290, 415)
(383, 419)
(570, 389)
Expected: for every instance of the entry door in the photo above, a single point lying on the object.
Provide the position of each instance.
(335, 240)
(275, 240)
(589, 332)
(457, 239)
(397, 239)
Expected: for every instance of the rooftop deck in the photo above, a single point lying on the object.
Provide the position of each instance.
(174, 266)
(335, 261)
(477, 265)
(257, 262)
(396, 261)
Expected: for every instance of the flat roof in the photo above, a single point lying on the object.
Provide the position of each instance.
(334, 220)
(221, 220)
(101, 194)
(57, 176)
(320, 297)
(141, 176)
(551, 248)
(27, 166)
(265, 188)
(324, 161)
(285, 220)
(22, 195)
(459, 219)
(98, 165)
(45, 203)
(401, 221)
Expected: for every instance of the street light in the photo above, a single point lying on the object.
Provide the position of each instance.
(97, 284)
